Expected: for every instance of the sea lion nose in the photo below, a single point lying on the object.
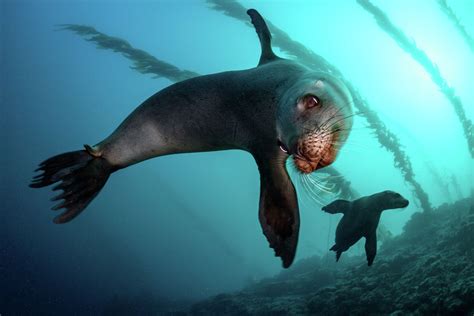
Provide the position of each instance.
(304, 165)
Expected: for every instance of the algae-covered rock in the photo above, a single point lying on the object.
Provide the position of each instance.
(427, 270)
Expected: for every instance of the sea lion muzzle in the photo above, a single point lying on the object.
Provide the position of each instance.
(315, 150)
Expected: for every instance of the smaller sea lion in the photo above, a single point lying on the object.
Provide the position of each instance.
(361, 218)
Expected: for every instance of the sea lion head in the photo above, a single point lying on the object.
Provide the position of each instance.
(388, 200)
(313, 120)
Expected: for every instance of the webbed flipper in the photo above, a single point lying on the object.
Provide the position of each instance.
(264, 36)
(371, 247)
(338, 206)
(278, 210)
(81, 174)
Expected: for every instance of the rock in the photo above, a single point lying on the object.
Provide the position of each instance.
(427, 270)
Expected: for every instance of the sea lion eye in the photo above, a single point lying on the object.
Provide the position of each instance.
(311, 101)
(283, 148)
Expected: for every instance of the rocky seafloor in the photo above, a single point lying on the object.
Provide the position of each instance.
(426, 270)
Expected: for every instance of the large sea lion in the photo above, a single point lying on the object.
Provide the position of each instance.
(274, 110)
(361, 218)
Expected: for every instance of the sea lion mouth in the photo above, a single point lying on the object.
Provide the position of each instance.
(304, 165)
(315, 151)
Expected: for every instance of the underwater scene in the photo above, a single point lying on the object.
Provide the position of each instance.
(224, 157)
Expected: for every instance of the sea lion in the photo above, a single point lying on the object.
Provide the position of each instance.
(274, 110)
(361, 218)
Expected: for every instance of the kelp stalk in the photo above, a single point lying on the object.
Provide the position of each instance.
(457, 23)
(143, 62)
(422, 58)
(443, 186)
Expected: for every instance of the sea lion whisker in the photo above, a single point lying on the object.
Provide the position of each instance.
(318, 184)
(329, 132)
(350, 149)
(339, 118)
(343, 118)
(351, 143)
(313, 182)
(328, 176)
(310, 190)
(316, 197)
(318, 127)
(299, 185)
(336, 114)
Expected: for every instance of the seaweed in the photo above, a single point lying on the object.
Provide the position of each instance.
(386, 138)
(143, 62)
(457, 23)
(410, 47)
(457, 188)
(443, 186)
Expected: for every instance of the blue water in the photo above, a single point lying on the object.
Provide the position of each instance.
(185, 227)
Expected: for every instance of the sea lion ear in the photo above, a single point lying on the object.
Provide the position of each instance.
(278, 210)
(338, 206)
(319, 84)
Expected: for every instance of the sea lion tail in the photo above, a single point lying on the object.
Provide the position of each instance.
(82, 174)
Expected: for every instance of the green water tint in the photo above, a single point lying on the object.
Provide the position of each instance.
(147, 64)
(446, 9)
(430, 67)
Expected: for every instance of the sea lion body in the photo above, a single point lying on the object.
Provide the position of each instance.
(228, 110)
(361, 219)
(275, 110)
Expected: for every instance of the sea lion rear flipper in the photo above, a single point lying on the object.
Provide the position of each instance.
(278, 210)
(264, 36)
(371, 247)
(81, 174)
(338, 206)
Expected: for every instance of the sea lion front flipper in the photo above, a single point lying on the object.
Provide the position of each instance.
(278, 210)
(371, 247)
(264, 36)
(338, 206)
